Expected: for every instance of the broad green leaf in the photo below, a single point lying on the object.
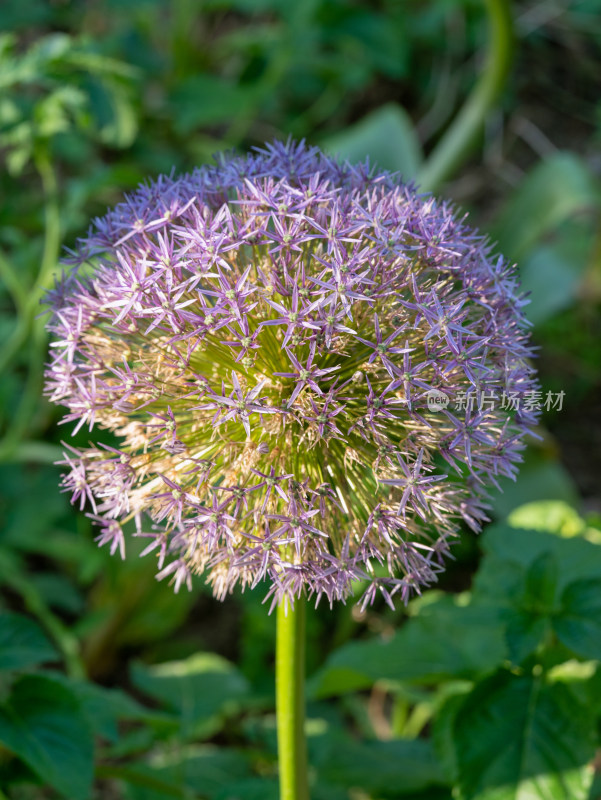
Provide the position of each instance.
(525, 632)
(386, 136)
(540, 478)
(58, 592)
(389, 769)
(102, 707)
(551, 278)
(540, 586)
(443, 735)
(511, 551)
(193, 770)
(578, 623)
(42, 723)
(516, 738)
(200, 688)
(552, 516)
(548, 228)
(541, 582)
(557, 189)
(22, 643)
(336, 679)
(582, 679)
(444, 640)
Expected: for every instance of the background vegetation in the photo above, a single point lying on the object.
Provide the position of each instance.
(488, 688)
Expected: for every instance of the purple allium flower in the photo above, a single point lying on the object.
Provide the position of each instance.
(262, 337)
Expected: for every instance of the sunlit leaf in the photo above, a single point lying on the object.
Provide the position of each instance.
(511, 551)
(202, 770)
(555, 190)
(444, 641)
(553, 516)
(541, 478)
(515, 737)
(386, 136)
(198, 688)
(103, 708)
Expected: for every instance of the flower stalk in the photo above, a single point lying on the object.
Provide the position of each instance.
(290, 700)
(462, 135)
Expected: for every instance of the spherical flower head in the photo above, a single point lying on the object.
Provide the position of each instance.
(263, 338)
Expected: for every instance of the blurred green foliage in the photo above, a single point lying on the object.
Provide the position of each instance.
(493, 692)
(488, 689)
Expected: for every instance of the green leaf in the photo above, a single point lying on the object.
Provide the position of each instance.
(553, 516)
(22, 643)
(525, 633)
(582, 679)
(551, 278)
(204, 770)
(444, 640)
(201, 689)
(510, 552)
(545, 230)
(554, 191)
(514, 737)
(541, 478)
(578, 624)
(58, 591)
(390, 769)
(43, 724)
(386, 136)
(541, 584)
(336, 679)
(103, 708)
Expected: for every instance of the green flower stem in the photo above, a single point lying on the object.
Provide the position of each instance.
(52, 216)
(290, 701)
(463, 133)
(9, 275)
